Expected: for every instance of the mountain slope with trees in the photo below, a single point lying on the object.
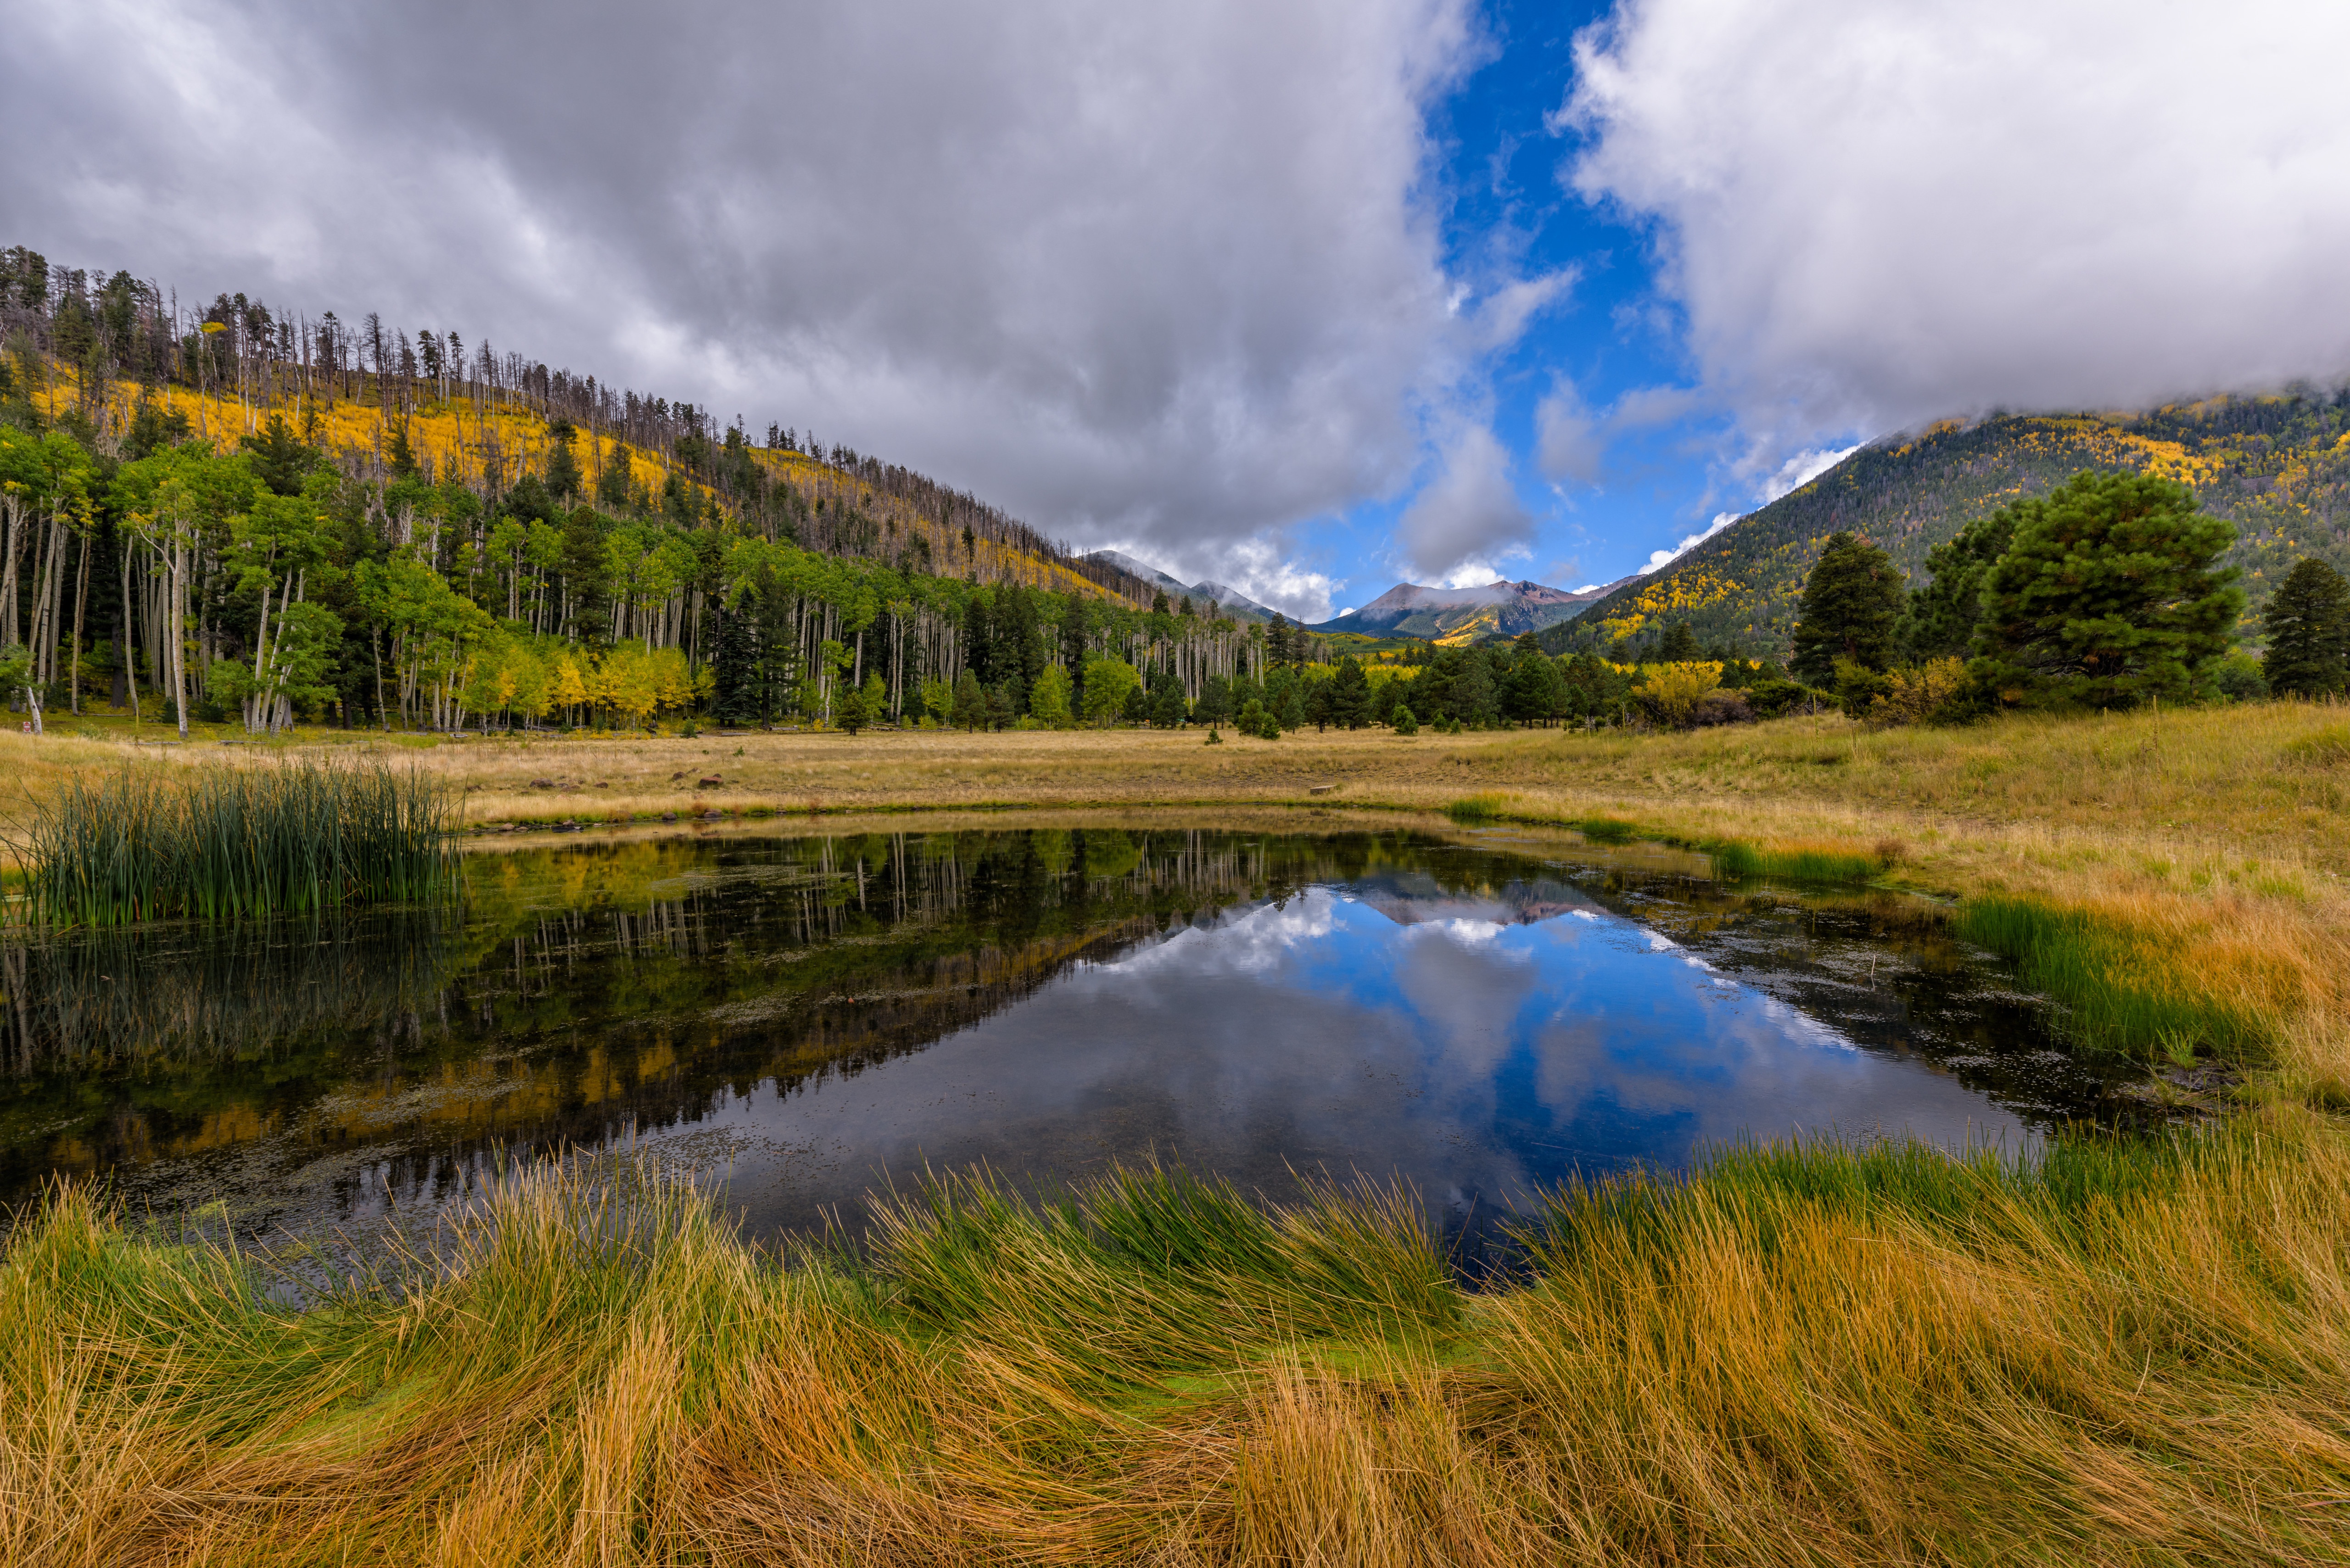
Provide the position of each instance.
(2277, 467)
(247, 512)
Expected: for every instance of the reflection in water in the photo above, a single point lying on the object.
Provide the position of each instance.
(809, 1016)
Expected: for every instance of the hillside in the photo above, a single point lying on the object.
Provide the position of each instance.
(1229, 601)
(2278, 467)
(102, 353)
(1460, 616)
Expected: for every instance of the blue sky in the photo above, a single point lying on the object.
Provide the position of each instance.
(1499, 179)
(1306, 296)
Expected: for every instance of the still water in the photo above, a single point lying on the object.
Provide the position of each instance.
(802, 1020)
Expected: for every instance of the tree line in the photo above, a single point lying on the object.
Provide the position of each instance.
(2105, 592)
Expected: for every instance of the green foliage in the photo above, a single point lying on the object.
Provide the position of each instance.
(2308, 623)
(280, 461)
(1852, 603)
(1108, 683)
(1048, 700)
(1405, 721)
(1942, 615)
(2110, 593)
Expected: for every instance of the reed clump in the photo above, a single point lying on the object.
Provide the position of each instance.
(287, 839)
(2124, 1351)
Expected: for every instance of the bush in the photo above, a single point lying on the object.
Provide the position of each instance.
(1721, 707)
(1674, 690)
(1405, 721)
(1935, 692)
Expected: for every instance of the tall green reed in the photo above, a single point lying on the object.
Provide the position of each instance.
(235, 844)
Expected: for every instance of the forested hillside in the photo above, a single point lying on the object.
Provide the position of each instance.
(281, 516)
(2277, 467)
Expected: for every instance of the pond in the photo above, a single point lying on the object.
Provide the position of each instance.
(803, 1018)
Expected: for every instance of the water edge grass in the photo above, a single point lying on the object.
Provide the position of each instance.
(2120, 1350)
(289, 837)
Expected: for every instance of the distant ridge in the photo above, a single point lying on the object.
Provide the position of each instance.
(2277, 466)
(1230, 600)
(1497, 608)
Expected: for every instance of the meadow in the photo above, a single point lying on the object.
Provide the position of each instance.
(2130, 1351)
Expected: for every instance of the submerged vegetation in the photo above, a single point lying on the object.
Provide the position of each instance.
(2124, 1351)
(287, 839)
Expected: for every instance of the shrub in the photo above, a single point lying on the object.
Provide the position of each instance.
(1931, 692)
(1674, 690)
(1405, 721)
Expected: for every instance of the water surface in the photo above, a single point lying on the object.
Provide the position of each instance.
(805, 1019)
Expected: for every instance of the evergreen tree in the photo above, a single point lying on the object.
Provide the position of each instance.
(1680, 646)
(1292, 712)
(1537, 690)
(2110, 593)
(562, 467)
(1941, 619)
(969, 709)
(279, 459)
(1167, 710)
(2308, 622)
(1852, 603)
(1350, 695)
(734, 666)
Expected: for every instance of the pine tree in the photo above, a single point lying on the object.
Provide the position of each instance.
(2110, 593)
(2308, 622)
(1680, 646)
(734, 668)
(1852, 602)
(1940, 623)
(1350, 695)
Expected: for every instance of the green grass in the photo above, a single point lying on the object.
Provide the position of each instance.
(1485, 807)
(2099, 978)
(233, 843)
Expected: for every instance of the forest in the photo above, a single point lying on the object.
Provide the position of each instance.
(240, 514)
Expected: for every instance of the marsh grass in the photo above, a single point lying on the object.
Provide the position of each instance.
(1475, 810)
(282, 839)
(2117, 1351)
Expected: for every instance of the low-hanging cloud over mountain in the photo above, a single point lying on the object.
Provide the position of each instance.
(1875, 214)
(1153, 274)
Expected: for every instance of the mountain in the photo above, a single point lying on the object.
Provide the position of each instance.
(1234, 604)
(2276, 466)
(1462, 614)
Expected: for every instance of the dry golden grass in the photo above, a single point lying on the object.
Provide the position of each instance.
(2137, 1357)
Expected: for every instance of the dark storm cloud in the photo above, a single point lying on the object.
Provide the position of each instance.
(1152, 273)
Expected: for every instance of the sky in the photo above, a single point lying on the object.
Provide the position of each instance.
(1308, 297)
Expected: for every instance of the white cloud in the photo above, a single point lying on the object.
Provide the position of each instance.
(1801, 469)
(1874, 215)
(1469, 517)
(1568, 442)
(1661, 558)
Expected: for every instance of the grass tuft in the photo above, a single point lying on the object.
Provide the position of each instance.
(286, 839)
(1486, 806)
